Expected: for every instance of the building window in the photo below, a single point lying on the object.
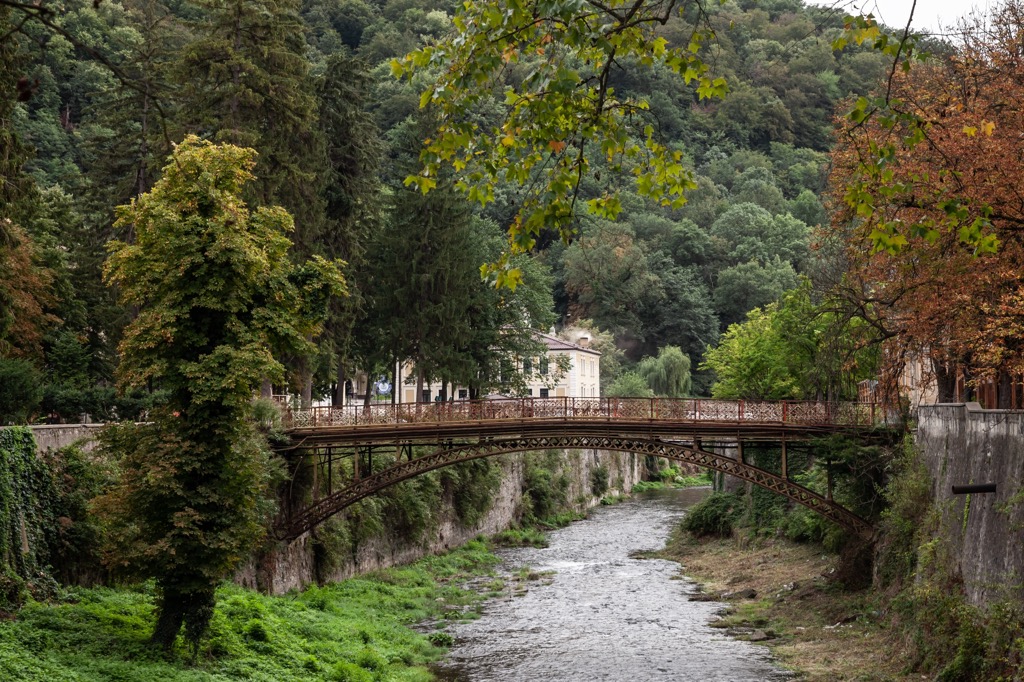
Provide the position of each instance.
(544, 367)
(527, 366)
(463, 393)
(543, 393)
(425, 397)
(529, 392)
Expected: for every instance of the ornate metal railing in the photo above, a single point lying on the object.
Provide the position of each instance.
(804, 413)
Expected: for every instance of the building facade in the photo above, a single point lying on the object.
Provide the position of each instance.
(566, 369)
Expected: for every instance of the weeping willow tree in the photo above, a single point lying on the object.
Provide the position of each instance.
(668, 375)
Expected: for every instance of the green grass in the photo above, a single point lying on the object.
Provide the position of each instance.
(521, 537)
(673, 478)
(356, 630)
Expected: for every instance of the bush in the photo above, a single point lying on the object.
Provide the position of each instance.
(715, 515)
(441, 639)
(903, 525)
(473, 485)
(101, 403)
(599, 481)
(350, 672)
(545, 492)
(20, 390)
(520, 537)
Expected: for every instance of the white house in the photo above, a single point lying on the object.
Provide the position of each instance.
(581, 377)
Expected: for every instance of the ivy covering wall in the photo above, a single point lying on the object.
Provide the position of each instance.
(25, 491)
(46, 532)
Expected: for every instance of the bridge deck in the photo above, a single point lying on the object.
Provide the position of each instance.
(648, 417)
(342, 440)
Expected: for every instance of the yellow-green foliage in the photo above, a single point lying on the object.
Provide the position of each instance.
(353, 630)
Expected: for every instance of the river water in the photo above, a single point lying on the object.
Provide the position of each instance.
(603, 615)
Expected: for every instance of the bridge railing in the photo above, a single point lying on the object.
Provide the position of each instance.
(655, 409)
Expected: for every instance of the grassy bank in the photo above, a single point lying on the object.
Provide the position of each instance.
(811, 626)
(673, 477)
(353, 631)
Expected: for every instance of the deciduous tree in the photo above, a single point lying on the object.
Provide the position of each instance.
(934, 206)
(215, 291)
(561, 102)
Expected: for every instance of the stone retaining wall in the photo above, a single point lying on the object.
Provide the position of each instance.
(57, 436)
(964, 444)
(293, 566)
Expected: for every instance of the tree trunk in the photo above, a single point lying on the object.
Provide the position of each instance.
(394, 382)
(419, 384)
(945, 381)
(1004, 391)
(177, 607)
(338, 397)
(306, 395)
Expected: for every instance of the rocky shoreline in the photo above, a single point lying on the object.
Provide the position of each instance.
(782, 594)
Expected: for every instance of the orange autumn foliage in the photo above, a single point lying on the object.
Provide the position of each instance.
(936, 295)
(24, 297)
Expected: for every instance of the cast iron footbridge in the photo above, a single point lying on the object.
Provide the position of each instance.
(339, 443)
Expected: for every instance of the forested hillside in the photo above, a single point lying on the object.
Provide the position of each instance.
(90, 110)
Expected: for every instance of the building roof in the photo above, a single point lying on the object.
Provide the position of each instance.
(555, 343)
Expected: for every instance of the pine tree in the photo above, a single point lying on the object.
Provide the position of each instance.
(350, 190)
(247, 82)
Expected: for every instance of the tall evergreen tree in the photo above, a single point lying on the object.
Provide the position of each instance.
(350, 188)
(247, 82)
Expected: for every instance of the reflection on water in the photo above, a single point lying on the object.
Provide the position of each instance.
(604, 615)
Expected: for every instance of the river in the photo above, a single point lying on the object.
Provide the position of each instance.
(603, 615)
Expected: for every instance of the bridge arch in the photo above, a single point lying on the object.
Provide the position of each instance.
(453, 453)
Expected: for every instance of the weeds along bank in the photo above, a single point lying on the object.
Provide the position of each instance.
(902, 609)
(48, 535)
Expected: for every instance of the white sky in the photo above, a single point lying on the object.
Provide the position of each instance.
(929, 15)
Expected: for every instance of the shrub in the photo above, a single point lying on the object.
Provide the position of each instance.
(473, 485)
(350, 672)
(909, 496)
(599, 481)
(20, 390)
(714, 515)
(545, 492)
(442, 639)
(521, 537)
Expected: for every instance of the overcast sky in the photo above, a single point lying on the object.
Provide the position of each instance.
(928, 16)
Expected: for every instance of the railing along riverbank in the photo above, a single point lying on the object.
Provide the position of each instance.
(804, 413)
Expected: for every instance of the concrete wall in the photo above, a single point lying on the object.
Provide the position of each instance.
(56, 436)
(293, 567)
(964, 444)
